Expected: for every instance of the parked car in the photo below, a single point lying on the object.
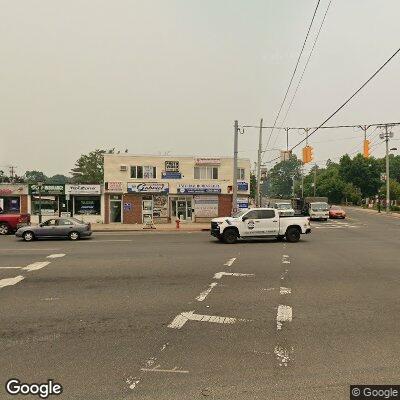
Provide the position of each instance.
(259, 223)
(12, 222)
(284, 208)
(337, 212)
(70, 228)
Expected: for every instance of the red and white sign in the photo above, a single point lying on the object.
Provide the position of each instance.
(11, 189)
(207, 161)
(115, 187)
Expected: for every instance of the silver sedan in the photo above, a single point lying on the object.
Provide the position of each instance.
(70, 228)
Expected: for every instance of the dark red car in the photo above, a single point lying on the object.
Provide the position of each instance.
(12, 222)
(337, 212)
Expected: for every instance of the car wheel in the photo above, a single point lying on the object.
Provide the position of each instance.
(292, 235)
(73, 235)
(4, 229)
(28, 236)
(230, 236)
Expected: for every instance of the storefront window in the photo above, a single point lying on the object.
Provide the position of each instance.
(49, 205)
(10, 205)
(87, 205)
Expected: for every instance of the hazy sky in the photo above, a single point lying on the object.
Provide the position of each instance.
(172, 76)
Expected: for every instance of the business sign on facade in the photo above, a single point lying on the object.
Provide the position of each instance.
(171, 175)
(46, 189)
(200, 188)
(82, 189)
(115, 187)
(127, 206)
(148, 187)
(171, 166)
(207, 161)
(206, 206)
(243, 186)
(242, 203)
(13, 189)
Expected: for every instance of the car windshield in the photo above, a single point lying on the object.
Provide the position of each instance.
(320, 206)
(238, 214)
(283, 206)
(336, 208)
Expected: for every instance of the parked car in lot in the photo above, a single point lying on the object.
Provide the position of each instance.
(259, 223)
(12, 222)
(69, 228)
(284, 208)
(337, 212)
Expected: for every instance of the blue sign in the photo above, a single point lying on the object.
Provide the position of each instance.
(127, 206)
(196, 189)
(243, 186)
(171, 175)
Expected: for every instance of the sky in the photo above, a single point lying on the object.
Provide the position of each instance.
(172, 76)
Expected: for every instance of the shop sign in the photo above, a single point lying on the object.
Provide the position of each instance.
(148, 187)
(243, 186)
(46, 189)
(171, 175)
(13, 189)
(172, 166)
(206, 206)
(127, 206)
(82, 189)
(113, 187)
(200, 188)
(242, 203)
(207, 161)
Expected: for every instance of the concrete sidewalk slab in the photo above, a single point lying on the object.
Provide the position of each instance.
(184, 227)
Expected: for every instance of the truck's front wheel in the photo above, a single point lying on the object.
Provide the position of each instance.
(230, 236)
(292, 235)
(4, 229)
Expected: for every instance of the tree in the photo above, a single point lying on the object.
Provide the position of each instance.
(394, 189)
(282, 176)
(35, 176)
(253, 186)
(58, 178)
(89, 168)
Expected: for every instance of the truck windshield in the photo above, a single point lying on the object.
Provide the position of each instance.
(320, 206)
(238, 214)
(283, 206)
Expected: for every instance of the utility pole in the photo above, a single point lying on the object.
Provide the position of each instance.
(12, 171)
(235, 166)
(315, 180)
(258, 196)
(387, 135)
(287, 138)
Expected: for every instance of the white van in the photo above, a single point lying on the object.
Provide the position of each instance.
(318, 210)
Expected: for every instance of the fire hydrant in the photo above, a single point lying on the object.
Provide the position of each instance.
(178, 221)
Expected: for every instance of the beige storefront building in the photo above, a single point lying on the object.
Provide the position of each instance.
(162, 189)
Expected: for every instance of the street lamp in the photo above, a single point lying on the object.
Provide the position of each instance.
(40, 185)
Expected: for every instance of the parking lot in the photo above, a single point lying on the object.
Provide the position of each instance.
(180, 315)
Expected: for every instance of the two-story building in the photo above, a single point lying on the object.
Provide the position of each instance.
(140, 189)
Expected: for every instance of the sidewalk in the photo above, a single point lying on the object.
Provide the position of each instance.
(184, 227)
(372, 211)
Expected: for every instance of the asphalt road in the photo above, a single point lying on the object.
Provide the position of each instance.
(164, 316)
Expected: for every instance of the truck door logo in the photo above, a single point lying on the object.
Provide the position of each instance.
(250, 225)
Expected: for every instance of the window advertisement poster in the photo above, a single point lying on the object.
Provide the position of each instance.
(200, 188)
(160, 206)
(150, 187)
(148, 172)
(206, 206)
(82, 189)
(115, 187)
(87, 205)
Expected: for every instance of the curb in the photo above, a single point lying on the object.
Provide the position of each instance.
(152, 230)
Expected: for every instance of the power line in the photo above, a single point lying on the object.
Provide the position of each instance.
(293, 73)
(351, 97)
(306, 64)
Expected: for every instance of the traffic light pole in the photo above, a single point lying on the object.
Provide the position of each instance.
(258, 197)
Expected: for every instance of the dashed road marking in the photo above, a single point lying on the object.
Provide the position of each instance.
(10, 267)
(56, 255)
(182, 318)
(230, 262)
(285, 290)
(35, 266)
(283, 355)
(206, 292)
(158, 369)
(284, 314)
(10, 281)
(219, 275)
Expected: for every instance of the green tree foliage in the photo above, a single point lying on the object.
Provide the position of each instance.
(253, 186)
(89, 168)
(58, 178)
(35, 176)
(394, 188)
(281, 177)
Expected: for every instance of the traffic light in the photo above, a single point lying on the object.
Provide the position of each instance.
(366, 148)
(308, 155)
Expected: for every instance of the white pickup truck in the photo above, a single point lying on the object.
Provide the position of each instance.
(258, 223)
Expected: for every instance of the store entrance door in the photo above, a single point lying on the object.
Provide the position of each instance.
(183, 209)
(116, 209)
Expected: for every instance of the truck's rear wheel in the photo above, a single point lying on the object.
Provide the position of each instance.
(230, 236)
(4, 229)
(292, 235)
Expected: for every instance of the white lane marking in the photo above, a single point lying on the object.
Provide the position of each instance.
(10, 267)
(132, 382)
(285, 259)
(50, 298)
(284, 273)
(285, 290)
(230, 262)
(102, 241)
(35, 266)
(30, 249)
(206, 292)
(283, 355)
(10, 281)
(182, 318)
(56, 255)
(284, 314)
(157, 369)
(219, 275)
